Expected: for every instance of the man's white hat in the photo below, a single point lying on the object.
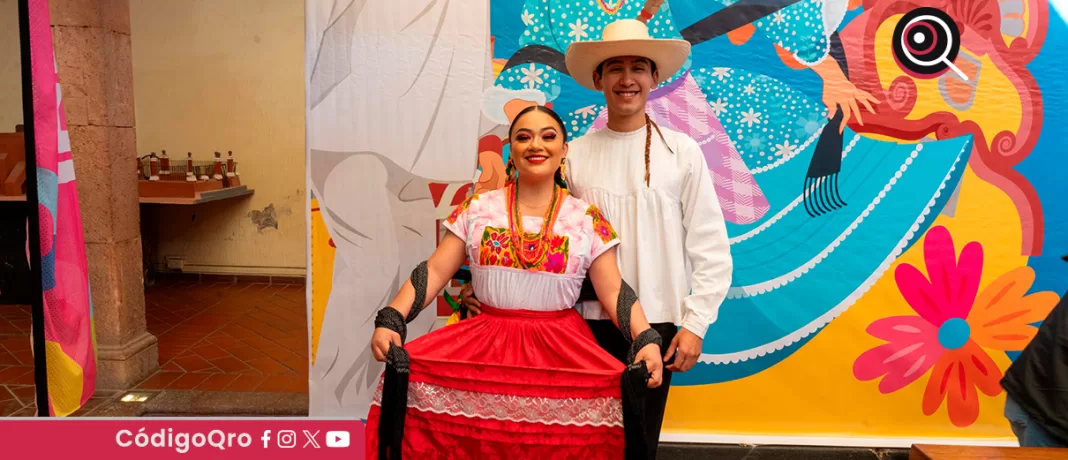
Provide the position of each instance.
(625, 37)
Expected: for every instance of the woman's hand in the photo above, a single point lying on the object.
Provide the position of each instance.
(381, 340)
(651, 355)
(474, 307)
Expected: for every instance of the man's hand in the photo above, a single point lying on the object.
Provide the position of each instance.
(474, 307)
(381, 340)
(686, 347)
(651, 355)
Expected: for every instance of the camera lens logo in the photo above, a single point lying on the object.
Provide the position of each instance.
(287, 439)
(926, 42)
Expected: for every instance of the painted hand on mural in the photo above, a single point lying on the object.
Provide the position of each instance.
(839, 92)
(492, 172)
(956, 325)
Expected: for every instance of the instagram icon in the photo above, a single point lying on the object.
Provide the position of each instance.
(287, 439)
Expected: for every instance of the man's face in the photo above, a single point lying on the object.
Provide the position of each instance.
(626, 82)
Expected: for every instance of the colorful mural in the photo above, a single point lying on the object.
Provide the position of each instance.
(889, 179)
(840, 134)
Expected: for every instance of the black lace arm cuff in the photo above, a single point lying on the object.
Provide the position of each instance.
(420, 278)
(390, 318)
(645, 338)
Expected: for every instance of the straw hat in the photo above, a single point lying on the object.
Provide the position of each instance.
(625, 37)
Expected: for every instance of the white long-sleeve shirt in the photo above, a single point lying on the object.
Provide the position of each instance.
(674, 248)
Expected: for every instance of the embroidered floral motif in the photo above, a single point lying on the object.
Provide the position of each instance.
(601, 225)
(461, 208)
(495, 249)
(528, 409)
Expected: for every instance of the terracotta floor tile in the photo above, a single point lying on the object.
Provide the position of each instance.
(188, 332)
(170, 366)
(224, 341)
(193, 363)
(16, 344)
(8, 374)
(298, 385)
(279, 353)
(209, 351)
(26, 378)
(246, 353)
(275, 383)
(229, 364)
(262, 329)
(298, 365)
(168, 353)
(24, 393)
(236, 331)
(270, 367)
(259, 343)
(25, 357)
(159, 380)
(246, 382)
(217, 382)
(245, 330)
(26, 412)
(8, 359)
(188, 381)
(7, 328)
(10, 407)
(5, 394)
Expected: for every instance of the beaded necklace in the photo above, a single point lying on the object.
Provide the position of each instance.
(531, 248)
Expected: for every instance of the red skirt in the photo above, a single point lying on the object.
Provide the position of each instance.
(514, 384)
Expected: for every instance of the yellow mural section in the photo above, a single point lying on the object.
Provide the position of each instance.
(814, 390)
(322, 270)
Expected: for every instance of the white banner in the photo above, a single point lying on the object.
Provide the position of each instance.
(394, 95)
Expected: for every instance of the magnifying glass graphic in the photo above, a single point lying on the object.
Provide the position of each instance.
(926, 42)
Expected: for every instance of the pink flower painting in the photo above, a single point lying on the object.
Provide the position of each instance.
(954, 327)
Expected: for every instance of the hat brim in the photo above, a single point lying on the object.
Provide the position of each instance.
(582, 58)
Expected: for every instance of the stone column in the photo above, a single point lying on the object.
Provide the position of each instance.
(95, 59)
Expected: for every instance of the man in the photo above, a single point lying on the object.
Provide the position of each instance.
(393, 103)
(654, 186)
(1036, 384)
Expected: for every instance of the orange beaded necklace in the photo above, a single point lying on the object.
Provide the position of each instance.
(531, 248)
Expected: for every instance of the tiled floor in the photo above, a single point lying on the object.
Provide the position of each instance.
(212, 337)
(16, 361)
(228, 337)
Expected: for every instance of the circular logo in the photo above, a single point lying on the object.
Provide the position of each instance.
(926, 41)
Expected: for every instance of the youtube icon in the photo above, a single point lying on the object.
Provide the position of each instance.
(337, 439)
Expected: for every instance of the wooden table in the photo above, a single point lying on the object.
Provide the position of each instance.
(204, 197)
(940, 452)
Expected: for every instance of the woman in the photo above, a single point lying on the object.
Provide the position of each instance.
(524, 378)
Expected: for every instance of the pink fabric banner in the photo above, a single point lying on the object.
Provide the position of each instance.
(70, 347)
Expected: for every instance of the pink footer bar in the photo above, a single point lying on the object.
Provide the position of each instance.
(119, 439)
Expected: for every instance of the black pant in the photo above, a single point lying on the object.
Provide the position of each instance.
(611, 339)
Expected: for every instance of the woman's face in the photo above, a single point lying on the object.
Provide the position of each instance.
(538, 146)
